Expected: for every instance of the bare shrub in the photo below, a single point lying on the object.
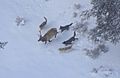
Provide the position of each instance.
(2, 45)
(77, 6)
(81, 27)
(75, 14)
(85, 15)
(103, 71)
(103, 48)
(96, 52)
(20, 21)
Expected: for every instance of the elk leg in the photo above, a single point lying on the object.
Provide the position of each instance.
(55, 35)
(49, 40)
(45, 42)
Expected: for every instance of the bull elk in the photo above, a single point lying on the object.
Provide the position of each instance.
(48, 36)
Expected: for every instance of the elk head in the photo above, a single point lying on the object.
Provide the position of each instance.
(41, 37)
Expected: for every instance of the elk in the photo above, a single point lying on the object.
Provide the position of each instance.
(47, 37)
(70, 40)
(41, 26)
(66, 27)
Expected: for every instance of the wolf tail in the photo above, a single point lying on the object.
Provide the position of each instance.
(45, 19)
(70, 24)
(74, 34)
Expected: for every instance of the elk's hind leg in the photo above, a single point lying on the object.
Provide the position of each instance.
(55, 35)
(45, 42)
(50, 40)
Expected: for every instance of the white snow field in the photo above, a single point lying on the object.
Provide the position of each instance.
(25, 57)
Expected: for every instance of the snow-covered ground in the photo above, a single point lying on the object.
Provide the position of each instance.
(25, 57)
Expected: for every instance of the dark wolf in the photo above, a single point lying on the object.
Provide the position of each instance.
(66, 27)
(70, 40)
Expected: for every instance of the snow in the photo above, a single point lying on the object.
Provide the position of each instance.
(25, 57)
